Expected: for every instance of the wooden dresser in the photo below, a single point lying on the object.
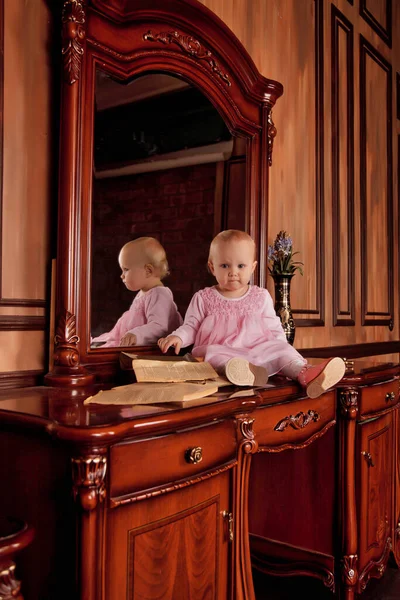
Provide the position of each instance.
(145, 502)
(154, 502)
(334, 509)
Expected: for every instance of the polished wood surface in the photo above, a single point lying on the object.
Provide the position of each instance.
(344, 485)
(148, 480)
(142, 499)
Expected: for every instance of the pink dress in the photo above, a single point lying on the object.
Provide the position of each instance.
(152, 315)
(221, 328)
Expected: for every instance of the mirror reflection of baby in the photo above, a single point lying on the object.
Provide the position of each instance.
(234, 327)
(153, 312)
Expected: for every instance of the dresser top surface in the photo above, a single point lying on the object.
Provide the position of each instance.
(62, 411)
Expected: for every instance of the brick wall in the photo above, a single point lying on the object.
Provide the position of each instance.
(177, 208)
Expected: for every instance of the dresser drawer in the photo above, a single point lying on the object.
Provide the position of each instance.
(294, 423)
(381, 396)
(151, 463)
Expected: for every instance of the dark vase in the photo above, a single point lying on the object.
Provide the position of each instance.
(282, 305)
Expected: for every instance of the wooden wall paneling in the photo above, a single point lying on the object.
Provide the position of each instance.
(378, 14)
(398, 236)
(19, 379)
(311, 317)
(376, 210)
(18, 321)
(343, 289)
(398, 95)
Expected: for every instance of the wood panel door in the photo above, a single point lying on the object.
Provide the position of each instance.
(172, 547)
(396, 514)
(376, 471)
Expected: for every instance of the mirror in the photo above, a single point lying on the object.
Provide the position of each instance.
(163, 162)
(146, 82)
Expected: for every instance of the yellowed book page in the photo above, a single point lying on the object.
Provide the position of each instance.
(162, 371)
(220, 381)
(153, 393)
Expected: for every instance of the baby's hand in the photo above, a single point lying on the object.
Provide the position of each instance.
(167, 342)
(129, 339)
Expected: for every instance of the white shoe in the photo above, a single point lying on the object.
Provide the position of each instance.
(241, 372)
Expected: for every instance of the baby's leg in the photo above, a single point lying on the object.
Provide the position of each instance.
(242, 372)
(315, 379)
(293, 369)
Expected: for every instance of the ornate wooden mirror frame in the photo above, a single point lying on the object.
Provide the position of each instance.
(128, 38)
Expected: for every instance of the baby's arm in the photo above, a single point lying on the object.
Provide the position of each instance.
(185, 335)
(170, 341)
(273, 321)
(158, 307)
(129, 339)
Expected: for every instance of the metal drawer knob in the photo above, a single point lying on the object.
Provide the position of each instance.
(368, 458)
(390, 396)
(194, 455)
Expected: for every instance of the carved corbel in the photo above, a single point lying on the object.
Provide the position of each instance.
(350, 570)
(349, 403)
(9, 585)
(88, 475)
(271, 134)
(66, 340)
(67, 369)
(248, 444)
(73, 35)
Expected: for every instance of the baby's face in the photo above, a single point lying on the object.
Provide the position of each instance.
(232, 264)
(133, 274)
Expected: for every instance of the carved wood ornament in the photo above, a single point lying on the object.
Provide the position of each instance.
(350, 569)
(73, 34)
(374, 568)
(66, 341)
(9, 584)
(349, 402)
(190, 46)
(249, 444)
(88, 475)
(298, 421)
(271, 136)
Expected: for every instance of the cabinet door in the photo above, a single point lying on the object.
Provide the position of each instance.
(396, 516)
(376, 458)
(171, 547)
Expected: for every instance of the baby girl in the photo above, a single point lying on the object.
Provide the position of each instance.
(234, 327)
(153, 312)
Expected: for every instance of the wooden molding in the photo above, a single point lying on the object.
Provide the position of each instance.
(20, 379)
(398, 95)
(317, 314)
(352, 350)
(22, 323)
(374, 318)
(342, 315)
(384, 30)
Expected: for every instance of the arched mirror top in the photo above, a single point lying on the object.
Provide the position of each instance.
(126, 40)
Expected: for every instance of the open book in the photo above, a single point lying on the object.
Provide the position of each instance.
(172, 371)
(154, 393)
(126, 359)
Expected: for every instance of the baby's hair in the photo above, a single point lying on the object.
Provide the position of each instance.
(230, 235)
(154, 254)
